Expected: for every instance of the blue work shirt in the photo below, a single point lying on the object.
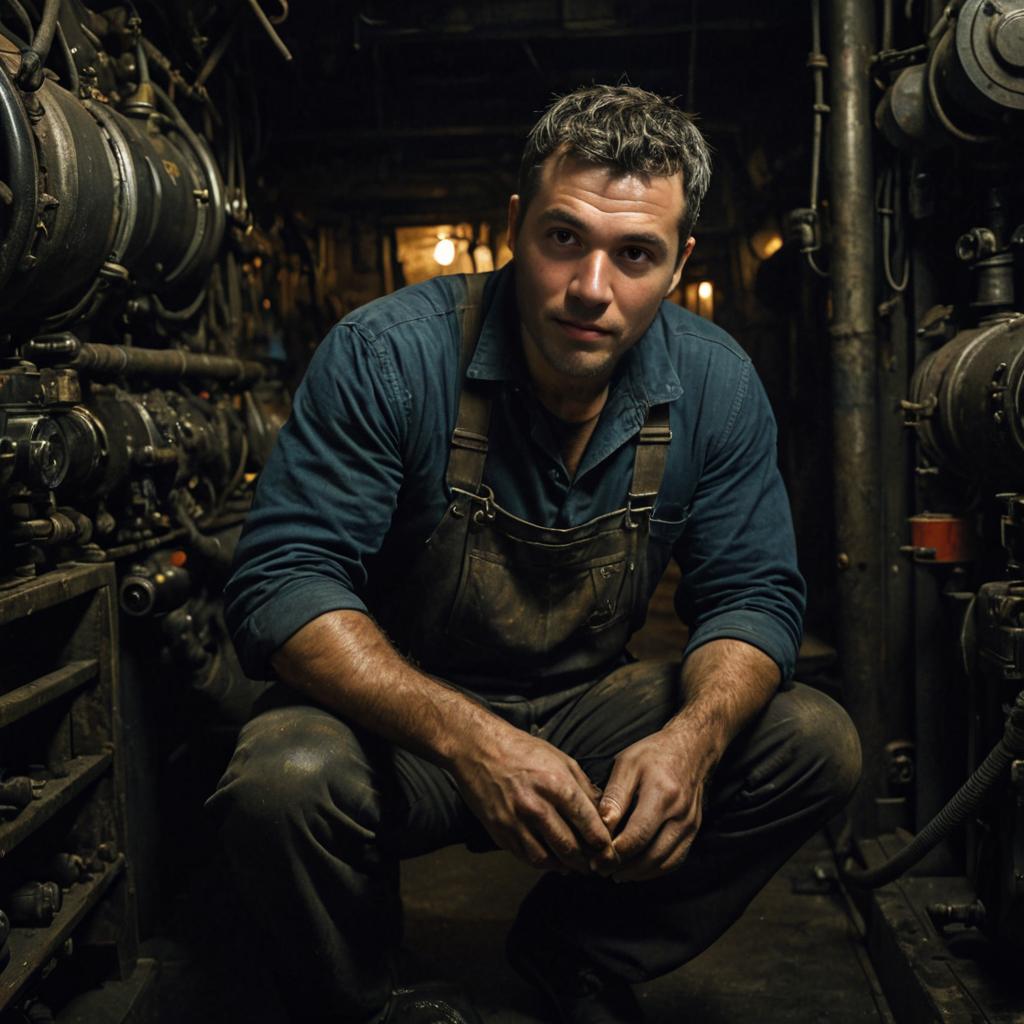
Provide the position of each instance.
(356, 482)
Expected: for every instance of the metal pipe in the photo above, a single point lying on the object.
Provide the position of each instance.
(123, 361)
(855, 391)
(117, 360)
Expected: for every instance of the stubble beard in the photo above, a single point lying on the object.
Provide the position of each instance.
(575, 362)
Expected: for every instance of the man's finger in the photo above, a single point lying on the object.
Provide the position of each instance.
(641, 827)
(581, 813)
(585, 781)
(668, 847)
(533, 851)
(561, 841)
(618, 795)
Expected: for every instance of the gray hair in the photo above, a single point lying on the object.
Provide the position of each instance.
(624, 127)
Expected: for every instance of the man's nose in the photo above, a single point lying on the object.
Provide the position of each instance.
(591, 283)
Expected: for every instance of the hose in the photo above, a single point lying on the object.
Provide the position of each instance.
(74, 82)
(818, 63)
(178, 314)
(30, 74)
(26, 23)
(21, 161)
(963, 803)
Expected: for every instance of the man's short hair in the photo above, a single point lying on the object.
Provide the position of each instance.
(627, 128)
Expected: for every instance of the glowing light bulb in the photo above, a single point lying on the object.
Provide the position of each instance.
(705, 290)
(772, 245)
(444, 252)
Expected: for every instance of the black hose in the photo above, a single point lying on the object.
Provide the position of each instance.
(178, 314)
(74, 81)
(21, 164)
(30, 74)
(963, 803)
(22, 15)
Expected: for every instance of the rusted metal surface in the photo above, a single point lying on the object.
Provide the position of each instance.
(855, 392)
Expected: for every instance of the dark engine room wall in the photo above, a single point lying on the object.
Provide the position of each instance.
(192, 194)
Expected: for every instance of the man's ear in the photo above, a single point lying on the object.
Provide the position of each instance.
(683, 257)
(513, 222)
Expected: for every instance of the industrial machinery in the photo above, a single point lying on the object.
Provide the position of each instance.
(923, 235)
(142, 383)
(137, 405)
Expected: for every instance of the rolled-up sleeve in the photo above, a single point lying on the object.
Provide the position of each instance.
(324, 501)
(737, 553)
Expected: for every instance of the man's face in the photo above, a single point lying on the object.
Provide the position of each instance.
(595, 253)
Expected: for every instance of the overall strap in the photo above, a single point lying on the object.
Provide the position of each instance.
(468, 450)
(651, 456)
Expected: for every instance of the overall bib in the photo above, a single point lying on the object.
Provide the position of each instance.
(492, 595)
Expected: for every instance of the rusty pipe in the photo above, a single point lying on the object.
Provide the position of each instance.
(855, 391)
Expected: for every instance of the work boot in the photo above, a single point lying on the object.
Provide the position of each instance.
(578, 991)
(431, 1002)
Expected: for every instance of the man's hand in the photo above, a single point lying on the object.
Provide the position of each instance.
(653, 802)
(652, 805)
(535, 801)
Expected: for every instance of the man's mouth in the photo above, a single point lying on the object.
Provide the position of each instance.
(581, 331)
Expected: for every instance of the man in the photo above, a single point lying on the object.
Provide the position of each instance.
(490, 476)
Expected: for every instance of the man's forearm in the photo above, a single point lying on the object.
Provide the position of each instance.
(725, 683)
(345, 662)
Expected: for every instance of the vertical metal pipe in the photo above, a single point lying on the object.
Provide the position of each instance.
(855, 393)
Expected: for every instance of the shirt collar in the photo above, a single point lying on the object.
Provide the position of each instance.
(646, 369)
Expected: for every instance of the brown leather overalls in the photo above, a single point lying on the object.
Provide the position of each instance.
(492, 595)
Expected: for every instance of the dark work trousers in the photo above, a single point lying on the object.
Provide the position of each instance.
(315, 817)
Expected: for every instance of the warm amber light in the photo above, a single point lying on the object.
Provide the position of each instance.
(444, 252)
(772, 245)
(705, 290)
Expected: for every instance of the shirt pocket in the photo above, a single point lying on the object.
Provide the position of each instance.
(668, 521)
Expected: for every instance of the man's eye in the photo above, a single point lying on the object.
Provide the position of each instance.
(563, 236)
(634, 254)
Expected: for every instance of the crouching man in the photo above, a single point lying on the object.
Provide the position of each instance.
(481, 483)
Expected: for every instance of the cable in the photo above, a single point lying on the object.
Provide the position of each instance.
(964, 802)
(178, 314)
(884, 206)
(74, 83)
(817, 62)
(216, 53)
(26, 22)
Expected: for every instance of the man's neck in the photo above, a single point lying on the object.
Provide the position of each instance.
(572, 399)
(572, 406)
